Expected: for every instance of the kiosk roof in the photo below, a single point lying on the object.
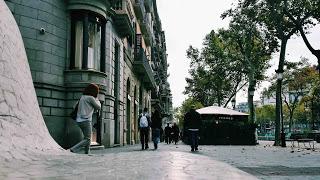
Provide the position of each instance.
(220, 110)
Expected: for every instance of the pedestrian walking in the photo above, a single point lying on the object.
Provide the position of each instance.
(87, 104)
(176, 132)
(167, 134)
(192, 122)
(144, 122)
(156, 126)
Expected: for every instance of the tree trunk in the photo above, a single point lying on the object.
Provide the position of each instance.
(250, 97)
(312, 114)
(278, 114)
(251, 108)
(290, 121)
(311, 49)
(303, 35)
(284, 41)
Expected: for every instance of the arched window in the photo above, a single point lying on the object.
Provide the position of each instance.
(87, 41)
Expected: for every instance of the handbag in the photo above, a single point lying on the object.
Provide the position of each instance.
(74, 112)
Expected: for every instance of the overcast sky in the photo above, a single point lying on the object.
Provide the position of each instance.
(186, 22)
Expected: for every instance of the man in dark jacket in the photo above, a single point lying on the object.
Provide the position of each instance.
(192, 123)
(176, 133)
(167, 133)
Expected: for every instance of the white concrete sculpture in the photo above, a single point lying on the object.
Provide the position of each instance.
(22, 128)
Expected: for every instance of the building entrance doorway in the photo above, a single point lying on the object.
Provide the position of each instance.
(96, 129)
(95, 134)
(128, 114)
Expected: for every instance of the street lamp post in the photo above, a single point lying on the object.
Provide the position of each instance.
(282, 134)
(233, 103)
(306, 109)
(252, 111)
(251, 92)
(312, 114)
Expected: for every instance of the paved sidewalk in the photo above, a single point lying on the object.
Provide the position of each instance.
(121, 163)
(263, 161)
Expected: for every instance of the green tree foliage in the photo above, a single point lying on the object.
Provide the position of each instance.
(312, 99)
(304, 14)
(301, 115)
(272, 17)
(298, 83)
(253, 43)
(228, 59)
(216, 72)
(265, 114)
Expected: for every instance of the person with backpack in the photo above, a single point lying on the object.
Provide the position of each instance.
(144, 122)
(87, 104)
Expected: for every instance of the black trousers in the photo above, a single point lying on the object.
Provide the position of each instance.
(168, 139)
(194, 139)
(144, 137)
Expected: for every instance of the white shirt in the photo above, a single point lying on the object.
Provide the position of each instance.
(87, 104)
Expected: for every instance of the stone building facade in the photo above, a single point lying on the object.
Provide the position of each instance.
(117, 44)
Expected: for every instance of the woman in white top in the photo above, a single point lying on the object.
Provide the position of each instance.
(87, 104)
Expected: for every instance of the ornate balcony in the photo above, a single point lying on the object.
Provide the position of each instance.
(146, 30)
(143, 68)
(148, 5)
(123, 17)
(77, 78)
(98, 6)
(139, 9)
